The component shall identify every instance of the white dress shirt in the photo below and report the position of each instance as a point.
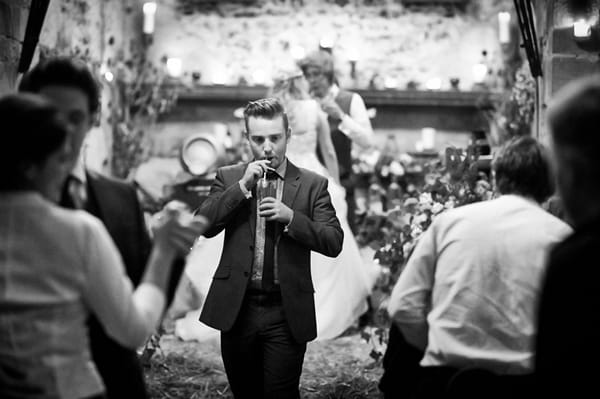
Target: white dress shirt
(469, 290)
(356, 125)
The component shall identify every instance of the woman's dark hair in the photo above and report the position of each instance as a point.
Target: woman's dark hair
(32, 130)
(63, 71)
(522, 167)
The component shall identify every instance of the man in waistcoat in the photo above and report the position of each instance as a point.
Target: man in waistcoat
(347, 115)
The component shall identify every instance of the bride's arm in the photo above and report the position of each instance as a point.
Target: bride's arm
(326, 145)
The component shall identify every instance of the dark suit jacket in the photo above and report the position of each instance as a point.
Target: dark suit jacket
(116, 204)
(567, 351)
(314, 227)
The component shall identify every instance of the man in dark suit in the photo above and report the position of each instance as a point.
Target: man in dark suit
(261, 298)
(73, 89)
(567, 352)
(347, 115)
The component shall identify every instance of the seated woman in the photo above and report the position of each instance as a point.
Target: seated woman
(57, 266)
(342, 284)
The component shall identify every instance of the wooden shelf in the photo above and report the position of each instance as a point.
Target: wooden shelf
(433, 98)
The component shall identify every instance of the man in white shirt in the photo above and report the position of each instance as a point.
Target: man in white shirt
(467, 295)
(347, 116)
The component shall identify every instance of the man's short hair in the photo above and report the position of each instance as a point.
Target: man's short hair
(33, 131)
(265, 108)
(63, 71)
(522, 167)
(319, 59)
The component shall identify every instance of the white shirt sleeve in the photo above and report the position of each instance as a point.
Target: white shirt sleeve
(410, 301)
(128, 317)
(357, 124)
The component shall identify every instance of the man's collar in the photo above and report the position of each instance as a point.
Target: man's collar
(282, 169)
(79, 170)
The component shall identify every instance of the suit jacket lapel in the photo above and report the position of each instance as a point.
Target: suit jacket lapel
(292, 183)
(100, 202)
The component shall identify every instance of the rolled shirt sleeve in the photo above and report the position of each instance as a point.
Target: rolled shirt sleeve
(410, 301)
(357, 125)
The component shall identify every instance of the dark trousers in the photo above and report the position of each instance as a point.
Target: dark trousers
(403, 377)
(348, 185)
(261, 358)
(401, 369)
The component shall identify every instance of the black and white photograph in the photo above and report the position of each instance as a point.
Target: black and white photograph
(285, 199)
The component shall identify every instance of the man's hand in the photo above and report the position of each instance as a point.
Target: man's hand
(274, 210)
(253, 173)
(331, 108)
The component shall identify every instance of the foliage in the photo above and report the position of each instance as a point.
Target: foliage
(514, 113)
(140, 93)
(395, 232)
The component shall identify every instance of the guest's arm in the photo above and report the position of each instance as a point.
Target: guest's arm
(410, 301)
(129, 316)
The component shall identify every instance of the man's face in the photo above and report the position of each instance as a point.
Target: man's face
(73, 105)
(317, 81)
(49, 176)
(268, 139)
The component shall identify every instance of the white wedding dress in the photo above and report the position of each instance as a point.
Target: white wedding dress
(342, 284)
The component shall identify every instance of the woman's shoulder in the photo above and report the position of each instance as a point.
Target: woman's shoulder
(76, 220)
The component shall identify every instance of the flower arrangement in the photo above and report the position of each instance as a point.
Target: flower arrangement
(395, 232)
(513, 114)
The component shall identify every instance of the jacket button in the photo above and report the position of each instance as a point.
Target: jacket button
(246, 274)
(251, 247)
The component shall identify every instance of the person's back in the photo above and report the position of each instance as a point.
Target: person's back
(490, 258)
(467, 296)
(47, 340)
(567, 353)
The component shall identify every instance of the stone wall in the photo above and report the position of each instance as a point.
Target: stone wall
(563, 60)
(396, 45)
(13, 20)
(99, 32)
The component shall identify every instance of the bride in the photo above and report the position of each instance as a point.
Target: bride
(342, 284)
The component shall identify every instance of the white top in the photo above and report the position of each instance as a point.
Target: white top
(356, 125)
(56, 265)
(468, 293)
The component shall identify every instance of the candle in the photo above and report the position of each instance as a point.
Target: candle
(149, 12)
(298, 52)
(504, 27)
(581, 28)
(434, 84)
(428, 138)
(479, 72)
(174, 67)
